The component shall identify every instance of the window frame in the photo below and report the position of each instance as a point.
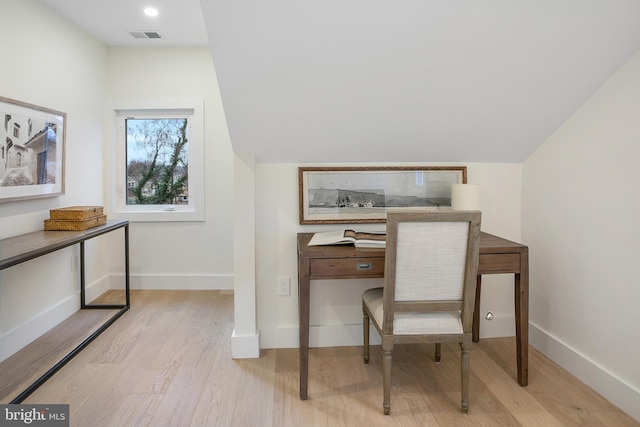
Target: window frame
(193, 110)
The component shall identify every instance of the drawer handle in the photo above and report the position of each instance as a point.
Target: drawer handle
(365, 266)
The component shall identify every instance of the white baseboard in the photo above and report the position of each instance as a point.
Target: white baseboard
(245, 346)
(19, 337)
(15, 340)
(614, 389)
(96, 289)
(161, 281)
(319, 336)
(179, 281)
(351, 335)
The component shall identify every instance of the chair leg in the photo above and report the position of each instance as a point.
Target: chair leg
(386, 380)
(365, 334)
(438, 352)
(464, 370)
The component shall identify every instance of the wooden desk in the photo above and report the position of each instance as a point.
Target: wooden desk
(497, 255)
(19, 249)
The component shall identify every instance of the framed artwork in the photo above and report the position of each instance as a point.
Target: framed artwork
(343, 195)
(31, 151)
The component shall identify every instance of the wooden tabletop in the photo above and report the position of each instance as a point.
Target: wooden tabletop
(18, 249)
(489, 243)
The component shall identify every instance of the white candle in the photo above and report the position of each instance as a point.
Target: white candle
(465, 197)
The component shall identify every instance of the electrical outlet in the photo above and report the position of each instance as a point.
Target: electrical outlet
(284, 286)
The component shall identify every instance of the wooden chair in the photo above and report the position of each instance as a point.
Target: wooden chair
(431, 263)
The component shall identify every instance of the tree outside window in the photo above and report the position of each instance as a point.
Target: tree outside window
(157, 161)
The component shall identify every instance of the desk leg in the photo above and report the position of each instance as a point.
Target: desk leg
(522, 319)
(475, 326)
(83, 295)
(127, 280)
(303, 313)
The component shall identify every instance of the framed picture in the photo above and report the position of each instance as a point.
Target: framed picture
(343, 195)
(31, 151)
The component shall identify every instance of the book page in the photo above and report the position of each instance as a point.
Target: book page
(371, 239)
(330, 238)
(369, 236)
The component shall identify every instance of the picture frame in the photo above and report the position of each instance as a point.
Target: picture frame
(32, 151)
(359, 195)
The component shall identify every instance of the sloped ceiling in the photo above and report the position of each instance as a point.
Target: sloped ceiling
(410, 80)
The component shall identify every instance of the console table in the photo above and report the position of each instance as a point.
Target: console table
(19, 249)
(497, 255)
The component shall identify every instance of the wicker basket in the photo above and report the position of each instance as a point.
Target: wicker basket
(73, 225)
(76, 213)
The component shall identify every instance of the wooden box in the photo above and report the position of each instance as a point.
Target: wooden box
(75, 218)
(76, 213)
(74, 225)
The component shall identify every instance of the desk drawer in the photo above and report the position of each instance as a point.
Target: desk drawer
(499, 263)
(346, 267)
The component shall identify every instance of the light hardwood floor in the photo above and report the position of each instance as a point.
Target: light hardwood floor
(167, 362)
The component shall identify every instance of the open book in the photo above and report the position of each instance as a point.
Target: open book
(359, 239)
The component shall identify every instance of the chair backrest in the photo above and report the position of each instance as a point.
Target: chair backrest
(431, 262)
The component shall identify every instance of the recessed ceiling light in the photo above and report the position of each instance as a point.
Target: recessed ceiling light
(151, 11)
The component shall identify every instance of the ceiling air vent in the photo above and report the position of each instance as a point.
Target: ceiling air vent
(145, 35)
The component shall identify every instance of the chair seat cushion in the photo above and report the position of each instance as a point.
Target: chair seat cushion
(444, 322)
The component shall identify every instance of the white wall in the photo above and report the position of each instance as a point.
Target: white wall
(581, 205)
(48, 62)
(336, 307)
(178, 255)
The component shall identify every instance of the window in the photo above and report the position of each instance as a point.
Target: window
(159, 163)
(157, 160)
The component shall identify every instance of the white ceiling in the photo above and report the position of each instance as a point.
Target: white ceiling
(393, 81)
(180, 22)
